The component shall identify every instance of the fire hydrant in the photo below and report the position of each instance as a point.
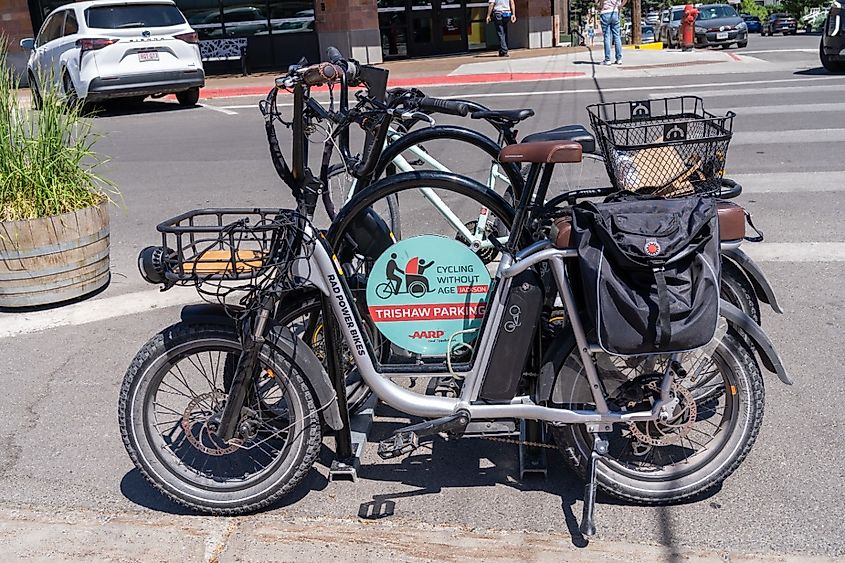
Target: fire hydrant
(688, 27)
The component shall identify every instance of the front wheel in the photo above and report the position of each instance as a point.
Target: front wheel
(742, 44)
(170, 403)
(714, 424)
(827, 63)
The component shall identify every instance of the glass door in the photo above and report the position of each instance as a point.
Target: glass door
(437, 27)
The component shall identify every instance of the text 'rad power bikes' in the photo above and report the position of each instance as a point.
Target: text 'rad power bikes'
(646, 379)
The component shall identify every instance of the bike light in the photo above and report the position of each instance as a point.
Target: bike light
(94, 43)
(151, 264)
(190, 37)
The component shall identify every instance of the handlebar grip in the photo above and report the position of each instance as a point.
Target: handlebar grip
(450, 107)
(333, 55)
(318, 74)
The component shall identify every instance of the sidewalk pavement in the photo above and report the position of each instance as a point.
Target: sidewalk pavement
(102, 536)
(524, 65)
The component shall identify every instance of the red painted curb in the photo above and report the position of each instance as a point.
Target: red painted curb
(209, 93)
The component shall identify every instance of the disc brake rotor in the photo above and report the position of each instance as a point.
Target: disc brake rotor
(197, 430)
(673, 430)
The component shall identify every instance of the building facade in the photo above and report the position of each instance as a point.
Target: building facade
(280, 32)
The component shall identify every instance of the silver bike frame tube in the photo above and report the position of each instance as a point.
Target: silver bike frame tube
(327, 274)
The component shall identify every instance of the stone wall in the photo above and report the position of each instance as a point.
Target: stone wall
(351, 26)
(15, 24)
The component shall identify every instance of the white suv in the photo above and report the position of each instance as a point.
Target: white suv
(117, 49)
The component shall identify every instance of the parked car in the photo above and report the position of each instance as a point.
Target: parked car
(752, 22)
(105, 49)
(832, 47)
(779, 23)
(670, 21)
(719, 24)
(646, 34)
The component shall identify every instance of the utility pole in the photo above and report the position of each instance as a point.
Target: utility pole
(636, 21)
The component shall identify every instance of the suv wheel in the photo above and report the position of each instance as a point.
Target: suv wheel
(188, 98)
(832, 66)
(70, 91)
(34, 92)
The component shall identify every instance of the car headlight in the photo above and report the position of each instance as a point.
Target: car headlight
(700, 29)
(741, 26)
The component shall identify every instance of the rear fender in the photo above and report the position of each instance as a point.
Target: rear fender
(283, 340)
(762, 287)
(768, 355)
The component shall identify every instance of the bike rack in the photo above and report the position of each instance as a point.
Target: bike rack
(360, 425)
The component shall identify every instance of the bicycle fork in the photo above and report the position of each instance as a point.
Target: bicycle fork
(253, 341)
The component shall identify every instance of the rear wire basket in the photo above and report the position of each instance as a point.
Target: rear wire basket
(670, 147)
(233, 256)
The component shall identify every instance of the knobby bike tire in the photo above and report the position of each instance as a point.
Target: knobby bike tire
(206, 494)
(576, 443)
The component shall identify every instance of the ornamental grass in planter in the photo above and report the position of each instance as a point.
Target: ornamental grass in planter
(54, 224)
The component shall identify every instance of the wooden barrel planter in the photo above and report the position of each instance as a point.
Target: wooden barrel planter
(54, 259)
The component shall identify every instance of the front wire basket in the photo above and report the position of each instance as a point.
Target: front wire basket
(670, 147)
(233, 256)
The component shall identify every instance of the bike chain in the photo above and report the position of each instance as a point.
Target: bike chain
(517, 442)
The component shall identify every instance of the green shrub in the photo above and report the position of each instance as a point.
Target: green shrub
(47, 162)
(751, 8)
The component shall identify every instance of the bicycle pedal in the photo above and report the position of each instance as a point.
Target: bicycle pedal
(399, 444)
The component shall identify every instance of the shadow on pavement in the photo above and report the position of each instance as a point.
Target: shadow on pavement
(138, 490)
(818, 71)
(118, 108)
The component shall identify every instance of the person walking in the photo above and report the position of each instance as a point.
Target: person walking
(502, 12)
(610, 27)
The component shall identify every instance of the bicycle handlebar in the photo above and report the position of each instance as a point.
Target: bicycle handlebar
(450, 107)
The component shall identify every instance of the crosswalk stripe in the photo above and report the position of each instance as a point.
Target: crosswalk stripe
(791, 136)
(779, 182)
(12, 324)
(796, 251)
(768, 110)
(733, 92)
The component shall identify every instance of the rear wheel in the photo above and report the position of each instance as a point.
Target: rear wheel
(737, 290)
(188, 98)
(170, 403)
(714, 424)
(71, 98)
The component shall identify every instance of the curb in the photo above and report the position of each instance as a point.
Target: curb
(446, 80)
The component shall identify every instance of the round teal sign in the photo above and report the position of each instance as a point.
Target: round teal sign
(424, 289)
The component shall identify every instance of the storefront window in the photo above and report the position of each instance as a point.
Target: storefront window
(242, 18)
(393, 25)
(288, 16)
(204, 16)
(477, 32)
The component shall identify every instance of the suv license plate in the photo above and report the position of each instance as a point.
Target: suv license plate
(148, 56)
(722, 35)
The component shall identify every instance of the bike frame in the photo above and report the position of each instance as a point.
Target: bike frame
(323, 272)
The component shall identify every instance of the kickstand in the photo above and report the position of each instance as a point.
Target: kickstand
(588, 525)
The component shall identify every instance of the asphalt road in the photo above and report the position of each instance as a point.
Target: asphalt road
(63, 466)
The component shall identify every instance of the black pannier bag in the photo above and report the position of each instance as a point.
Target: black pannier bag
(650, 271)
